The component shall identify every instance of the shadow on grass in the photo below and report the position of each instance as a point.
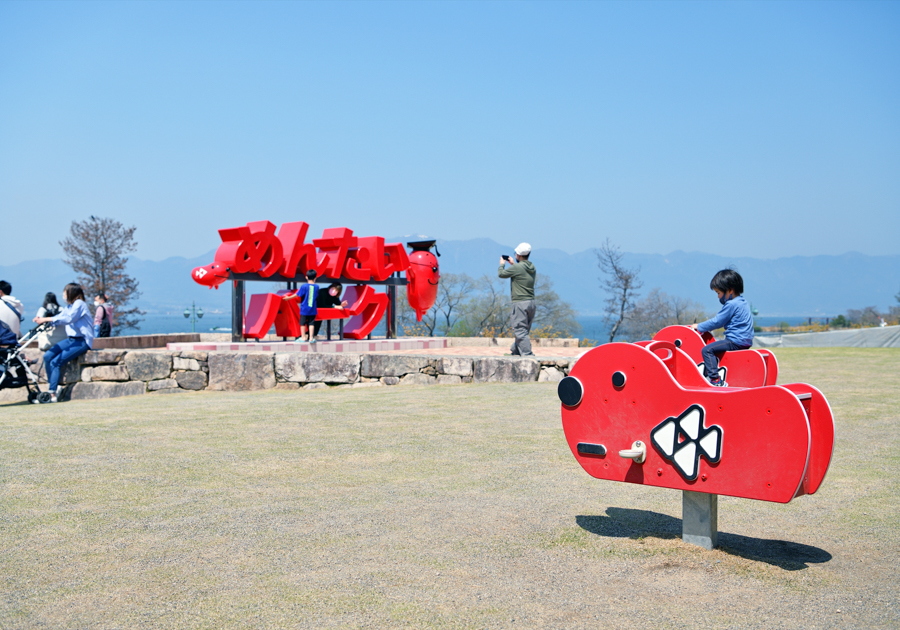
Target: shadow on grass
(629, 523)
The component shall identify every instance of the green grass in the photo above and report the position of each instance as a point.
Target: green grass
(454, 506)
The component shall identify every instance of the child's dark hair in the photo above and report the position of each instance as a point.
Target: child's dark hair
(727, 280)
(6, 287)
(311, 274)
(50, 298)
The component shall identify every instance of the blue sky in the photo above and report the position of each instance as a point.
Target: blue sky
(747, 129)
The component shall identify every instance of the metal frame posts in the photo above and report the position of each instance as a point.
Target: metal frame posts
(391, 323)
(238, 302)
(237, 310)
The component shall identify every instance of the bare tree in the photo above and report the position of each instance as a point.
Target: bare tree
(658, 310)
(480, 308)
(620, 282)
(487, 313)
(407, 322)
(866, 317)
(454, 290)
(95, 249)
(553, 316)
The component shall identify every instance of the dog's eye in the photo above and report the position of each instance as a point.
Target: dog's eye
(570, 391)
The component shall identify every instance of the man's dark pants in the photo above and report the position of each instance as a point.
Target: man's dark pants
(520, 321)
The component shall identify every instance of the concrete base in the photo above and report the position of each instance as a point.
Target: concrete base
(700, 518)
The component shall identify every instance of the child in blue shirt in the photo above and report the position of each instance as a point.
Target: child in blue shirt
(734, 316)
(308, 296)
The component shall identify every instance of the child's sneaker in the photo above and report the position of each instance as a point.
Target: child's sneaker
(719, 383)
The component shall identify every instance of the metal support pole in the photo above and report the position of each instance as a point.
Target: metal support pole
(237, 310)
(328, 328)
(392, 313)
(699, 518)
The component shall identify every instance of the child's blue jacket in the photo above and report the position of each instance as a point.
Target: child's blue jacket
(736, 318)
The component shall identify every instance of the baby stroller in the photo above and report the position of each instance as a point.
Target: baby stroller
(15, 369)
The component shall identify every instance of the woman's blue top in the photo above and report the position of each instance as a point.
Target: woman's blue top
(78, 320)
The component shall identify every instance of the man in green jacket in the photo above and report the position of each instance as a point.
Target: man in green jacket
(521, 287)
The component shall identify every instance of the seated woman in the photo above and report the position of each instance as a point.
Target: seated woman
(79, 323)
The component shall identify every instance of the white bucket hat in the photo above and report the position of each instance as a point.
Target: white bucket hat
(523, 249)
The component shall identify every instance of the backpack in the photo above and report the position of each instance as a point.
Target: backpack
(7, 336)
(105, 327)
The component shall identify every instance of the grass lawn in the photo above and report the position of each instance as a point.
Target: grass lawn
(451, 506)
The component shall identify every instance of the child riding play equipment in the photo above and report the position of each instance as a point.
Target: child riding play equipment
(644, 414)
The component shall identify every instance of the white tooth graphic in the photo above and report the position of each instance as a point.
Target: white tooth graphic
(691, 423)
(710, 443)
(686, 458)
(665, 436)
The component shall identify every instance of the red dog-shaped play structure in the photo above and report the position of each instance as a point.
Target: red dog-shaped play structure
(740, 368)
(644, 414)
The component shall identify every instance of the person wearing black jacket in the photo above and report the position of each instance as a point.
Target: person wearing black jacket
(329, 297)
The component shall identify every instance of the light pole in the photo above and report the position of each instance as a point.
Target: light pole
(194, 313)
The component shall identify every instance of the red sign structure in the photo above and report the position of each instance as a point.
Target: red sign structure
(644, 414)
(255, 252)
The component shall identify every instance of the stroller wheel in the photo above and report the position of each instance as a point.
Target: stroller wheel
(31, 396)
(45, 397)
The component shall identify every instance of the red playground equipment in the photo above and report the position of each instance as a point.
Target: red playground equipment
(742, 368)
(643, 413)
(256, 253)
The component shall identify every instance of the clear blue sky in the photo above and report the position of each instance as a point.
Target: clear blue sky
(762, 129)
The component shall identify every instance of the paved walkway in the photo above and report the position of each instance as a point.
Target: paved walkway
(493, 351)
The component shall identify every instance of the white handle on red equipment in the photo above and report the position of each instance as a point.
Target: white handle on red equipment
(637, 452)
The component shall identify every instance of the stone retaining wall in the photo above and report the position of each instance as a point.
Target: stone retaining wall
(113, 373)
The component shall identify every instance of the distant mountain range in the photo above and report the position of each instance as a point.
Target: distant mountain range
(808, 286)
